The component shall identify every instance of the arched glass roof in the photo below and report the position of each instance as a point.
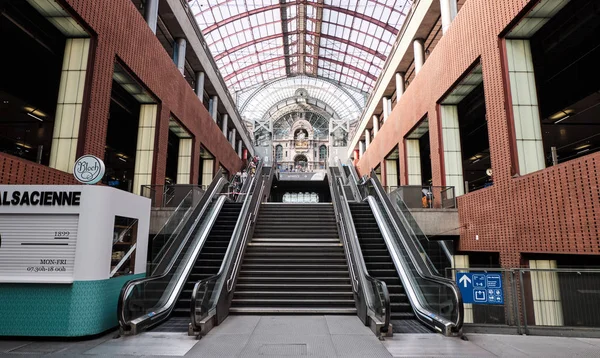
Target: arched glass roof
(257, 41)
(345, 103)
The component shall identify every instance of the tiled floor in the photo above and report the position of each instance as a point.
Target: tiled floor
(301, 336)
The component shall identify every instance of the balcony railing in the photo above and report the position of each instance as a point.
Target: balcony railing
(425, 197)
(540, 301)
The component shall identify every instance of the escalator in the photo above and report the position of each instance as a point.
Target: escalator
(391, 254)
(381, 266)
(193, 251)
(206, 265)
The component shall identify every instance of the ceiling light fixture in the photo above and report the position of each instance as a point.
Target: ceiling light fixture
(34, 116)
(583, 151)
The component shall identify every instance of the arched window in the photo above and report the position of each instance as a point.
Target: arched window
(323, 152)
(279, 153)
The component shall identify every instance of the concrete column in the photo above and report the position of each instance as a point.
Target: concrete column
(214, 107)
(462, 261)
(386, 108)
(419, 50)
(239, 148)
(361, 148)
(179, 54)
(151, 14)
(391, 173)
(69, 105)
(399, 86)
(144, 153)
(200, 86)
(413, 161)
(452, 150)
(224, 124)
(367, 138)
(375, 125)
(448, 9)
(184, 161)
(233, 135)
(545, 291)
(528, 132)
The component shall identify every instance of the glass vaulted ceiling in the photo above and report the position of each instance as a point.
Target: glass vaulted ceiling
(342, 41)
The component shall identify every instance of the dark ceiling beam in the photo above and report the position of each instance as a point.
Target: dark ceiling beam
(318, 26)
(285, 35)
(274, 59)
(318, 5)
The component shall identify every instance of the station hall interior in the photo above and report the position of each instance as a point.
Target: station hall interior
(300, 177)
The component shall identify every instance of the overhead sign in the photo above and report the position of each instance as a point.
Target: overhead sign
(481, 287)
(37, 247)
(89, 169)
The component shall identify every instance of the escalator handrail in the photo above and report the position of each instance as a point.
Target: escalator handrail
(348, 181)
(129, 286)
(203, 203)
(428, 276)
(354, 181)
(408, 218)
(352, 238)
(249, 216)
(179, 225)
(243, 223)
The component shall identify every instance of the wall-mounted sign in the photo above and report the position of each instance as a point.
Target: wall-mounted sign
(37, 247)
(481, 287)
(89, 169)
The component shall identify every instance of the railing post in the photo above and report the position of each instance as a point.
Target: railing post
(515, 301)
(522, 300)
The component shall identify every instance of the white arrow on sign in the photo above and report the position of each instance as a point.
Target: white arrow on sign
(464, 280)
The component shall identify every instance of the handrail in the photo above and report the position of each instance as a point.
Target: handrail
(165, 309)
(246, 228)
(408, 219)
(177, 228)
(423, 313)
(214, 187)
(239, 238)
(354, 253)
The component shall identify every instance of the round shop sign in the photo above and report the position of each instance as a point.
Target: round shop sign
(89, 169)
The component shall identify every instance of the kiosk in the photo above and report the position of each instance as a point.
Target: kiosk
(65, 253)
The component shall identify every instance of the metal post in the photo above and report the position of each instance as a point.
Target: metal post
(515, 303)
(151, 14)
(179, 54)
(466, 187)
(200, 86)
(523, 301)
(554, 156)
(39, 153)
(225, 124)
(419, 54)
(214, 109)
(399, 85)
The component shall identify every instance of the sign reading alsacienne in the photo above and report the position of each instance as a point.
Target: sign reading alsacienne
(40, 198)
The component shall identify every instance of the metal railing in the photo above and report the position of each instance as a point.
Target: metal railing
(425, 197)
(540, 301)
(163, 239)
(170, 196)
(211, 297)
(436, 301)
(371, 294)
(148, 301)
(439, 253)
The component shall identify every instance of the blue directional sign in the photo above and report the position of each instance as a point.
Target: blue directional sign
(481, 288)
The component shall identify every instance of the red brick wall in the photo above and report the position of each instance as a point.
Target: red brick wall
(552, 211)
(121, 32)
